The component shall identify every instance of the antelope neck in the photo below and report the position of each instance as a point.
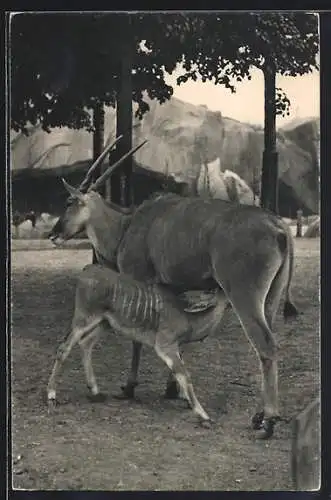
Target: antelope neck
(106, 232)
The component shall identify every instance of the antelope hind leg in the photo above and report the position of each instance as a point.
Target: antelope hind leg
(257, 278)
(269, 367)
(261, 337)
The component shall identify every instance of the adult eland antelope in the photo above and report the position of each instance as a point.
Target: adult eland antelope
(193, 243)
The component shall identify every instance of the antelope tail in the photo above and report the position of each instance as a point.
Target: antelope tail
(284, 241)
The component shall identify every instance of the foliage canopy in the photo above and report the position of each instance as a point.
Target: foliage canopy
(63, 64)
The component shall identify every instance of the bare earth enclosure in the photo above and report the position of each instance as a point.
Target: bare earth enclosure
(150, 443)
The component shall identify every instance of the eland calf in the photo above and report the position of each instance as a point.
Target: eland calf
(149, 314)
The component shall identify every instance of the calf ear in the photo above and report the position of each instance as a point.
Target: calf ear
(74, 192)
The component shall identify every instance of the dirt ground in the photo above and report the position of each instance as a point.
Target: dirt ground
(151, 443)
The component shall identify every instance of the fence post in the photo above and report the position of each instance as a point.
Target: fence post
(299, 224)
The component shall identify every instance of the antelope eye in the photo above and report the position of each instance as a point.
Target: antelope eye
(71, 201)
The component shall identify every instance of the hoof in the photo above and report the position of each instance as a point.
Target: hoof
(172, 391)
(257, 420)
(51, 405)
(97, 398)
(267, 428)
(205, 424)
(127, 392)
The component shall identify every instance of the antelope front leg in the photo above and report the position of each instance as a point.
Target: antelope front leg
(128, 389)
(172, 389)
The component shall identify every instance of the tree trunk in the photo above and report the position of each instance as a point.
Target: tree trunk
(299, 224)
(98, 142)
(269, 181)
(99, 131)
(306, 448)
(121, 181)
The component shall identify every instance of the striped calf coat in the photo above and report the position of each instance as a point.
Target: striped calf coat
(149, 314)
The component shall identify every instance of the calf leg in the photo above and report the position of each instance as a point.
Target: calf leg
(171, 356)
(87, 345)
(63, 352)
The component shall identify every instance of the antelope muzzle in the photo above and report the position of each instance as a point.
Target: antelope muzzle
(56, 232)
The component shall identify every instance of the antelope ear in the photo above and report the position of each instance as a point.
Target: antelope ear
(74, 192)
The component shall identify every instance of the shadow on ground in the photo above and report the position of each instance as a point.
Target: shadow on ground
(150, 444)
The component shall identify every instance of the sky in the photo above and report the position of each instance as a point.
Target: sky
(247, 104)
